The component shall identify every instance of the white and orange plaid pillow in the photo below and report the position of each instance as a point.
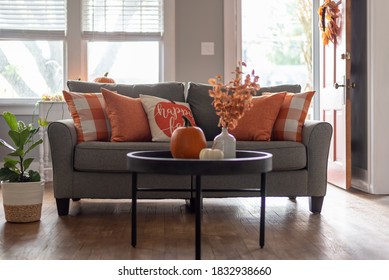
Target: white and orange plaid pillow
(291, 117)
(89, 116)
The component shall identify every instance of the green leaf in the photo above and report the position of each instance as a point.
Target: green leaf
(11, 120)
(5, 144)
(20, 138)
(8, 175)
(10, 163)
(17, 153)
(34, 176)
(42, 122)
(27, 162)
(15, 136)
(21, 125)
(24, 136)
(40, 141)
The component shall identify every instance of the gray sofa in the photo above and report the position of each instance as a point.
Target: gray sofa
(99, 169)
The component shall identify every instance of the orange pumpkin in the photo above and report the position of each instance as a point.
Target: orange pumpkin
(104, 79)
(187, 141)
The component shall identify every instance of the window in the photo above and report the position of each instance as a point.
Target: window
(128, 62)
(277, 41)
(41, 45)
(32, 34)
(124, 38)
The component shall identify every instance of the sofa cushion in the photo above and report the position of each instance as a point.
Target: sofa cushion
(257, 123)
(89, 116)
(127, 118)
(168, 90)
(165, 116)
(287, 155)
(111, 156)
(291, 118)
(280, 88)
(204, 113)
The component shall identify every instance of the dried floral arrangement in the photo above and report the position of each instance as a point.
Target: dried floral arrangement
(329, 11)
(231, 100)
(54, 98)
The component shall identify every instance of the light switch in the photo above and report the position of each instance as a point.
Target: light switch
(207, 48)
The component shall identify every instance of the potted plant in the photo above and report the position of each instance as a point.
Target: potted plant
(22, 188)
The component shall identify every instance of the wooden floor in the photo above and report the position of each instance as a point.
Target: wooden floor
(352, 225)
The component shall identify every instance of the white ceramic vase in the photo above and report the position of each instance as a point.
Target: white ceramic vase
(23, 201)
(225, 142)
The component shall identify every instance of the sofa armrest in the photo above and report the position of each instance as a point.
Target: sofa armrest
(63, 139)
(317, 137)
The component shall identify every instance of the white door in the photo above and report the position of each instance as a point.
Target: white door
(335, 90)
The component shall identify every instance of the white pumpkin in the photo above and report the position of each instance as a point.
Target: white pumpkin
(208, 153)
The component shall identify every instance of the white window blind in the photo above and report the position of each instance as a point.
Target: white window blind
(122, 17)
(18, 17)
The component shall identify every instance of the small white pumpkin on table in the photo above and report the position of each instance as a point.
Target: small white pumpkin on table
(211, 154)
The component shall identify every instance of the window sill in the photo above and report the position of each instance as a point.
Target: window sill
(19, 106)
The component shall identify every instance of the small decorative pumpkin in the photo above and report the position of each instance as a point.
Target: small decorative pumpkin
(211, 154)
(187, 141)
(104, 79)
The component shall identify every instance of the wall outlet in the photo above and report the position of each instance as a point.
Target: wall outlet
(207, 48)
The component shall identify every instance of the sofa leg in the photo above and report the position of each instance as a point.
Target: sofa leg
(315, 204)
(63, 206)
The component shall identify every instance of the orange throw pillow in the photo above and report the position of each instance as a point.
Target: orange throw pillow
(128, 119)
(257, 123)
(89, 116)
(291, 118)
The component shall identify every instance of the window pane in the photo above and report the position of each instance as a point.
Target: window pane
(29, 69)
(126, 62)
(33, 15)
(123, 16)
(277, 41)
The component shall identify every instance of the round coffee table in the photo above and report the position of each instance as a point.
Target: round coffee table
(162, 162)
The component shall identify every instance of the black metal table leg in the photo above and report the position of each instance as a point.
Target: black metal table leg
(133, 201)
(263, 207)
(190, 203)
(198, 217)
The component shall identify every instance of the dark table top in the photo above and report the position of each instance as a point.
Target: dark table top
(162, 162)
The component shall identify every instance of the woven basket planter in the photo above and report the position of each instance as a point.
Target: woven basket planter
(22, 201)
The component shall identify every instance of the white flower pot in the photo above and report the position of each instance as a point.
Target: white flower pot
(23, 201)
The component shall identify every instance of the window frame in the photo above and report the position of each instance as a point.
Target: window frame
(77, 60)
(23, 104)
(75, 51)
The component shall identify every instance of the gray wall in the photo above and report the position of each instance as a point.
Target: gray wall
(198, 21)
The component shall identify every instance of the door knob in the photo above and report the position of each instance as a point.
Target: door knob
(345, 56)
(352, 85)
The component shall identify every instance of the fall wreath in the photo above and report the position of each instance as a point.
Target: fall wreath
(329, 13)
